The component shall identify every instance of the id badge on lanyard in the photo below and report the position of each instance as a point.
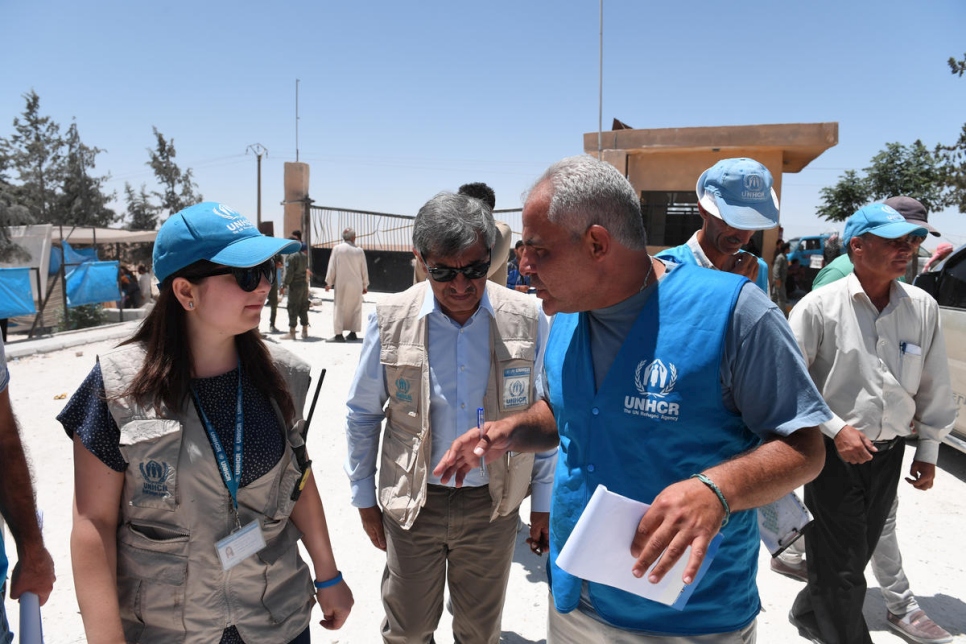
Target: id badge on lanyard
(244, 541)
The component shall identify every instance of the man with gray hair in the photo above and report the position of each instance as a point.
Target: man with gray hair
(349, 276)
(438, 359)
(667, 383)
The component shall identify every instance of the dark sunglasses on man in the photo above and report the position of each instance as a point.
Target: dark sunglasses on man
(471, 272)
(248, 278)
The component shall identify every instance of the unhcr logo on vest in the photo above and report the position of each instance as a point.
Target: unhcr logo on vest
(155, 477)
(516, 387)
(654, 381)
(402, 390)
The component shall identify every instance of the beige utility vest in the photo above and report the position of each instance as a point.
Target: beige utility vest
(175, 506)
(407, 443)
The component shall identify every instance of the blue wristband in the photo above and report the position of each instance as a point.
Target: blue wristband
(714, 488)
(319, 585)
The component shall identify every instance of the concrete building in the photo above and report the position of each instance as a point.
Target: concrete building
(664, 165)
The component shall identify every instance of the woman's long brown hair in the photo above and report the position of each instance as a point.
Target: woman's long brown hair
(164, 379)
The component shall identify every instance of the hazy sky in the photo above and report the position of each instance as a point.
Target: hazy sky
(399, 100)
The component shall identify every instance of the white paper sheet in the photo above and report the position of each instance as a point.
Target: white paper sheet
(599, 550)
(781, 523)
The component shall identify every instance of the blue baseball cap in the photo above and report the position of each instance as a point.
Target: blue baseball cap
(739, 192)
(882, 221)
(214, 232)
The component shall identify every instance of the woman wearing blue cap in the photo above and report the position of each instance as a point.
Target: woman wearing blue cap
(192, 486)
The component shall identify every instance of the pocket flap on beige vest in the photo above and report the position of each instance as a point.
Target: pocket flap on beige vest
(147, 429)
(402, 355)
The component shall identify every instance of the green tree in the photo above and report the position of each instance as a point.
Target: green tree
(957, 66)
(142, 214)
(911, 170)
(952, 158)
(35, 153)
(844, 198)
(953, 167)
(178, 188)
(82, 201)
(11, 214)
(906, 170)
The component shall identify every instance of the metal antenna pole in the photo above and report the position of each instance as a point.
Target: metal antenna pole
(297, 119)
(600, 86)
(258, 150)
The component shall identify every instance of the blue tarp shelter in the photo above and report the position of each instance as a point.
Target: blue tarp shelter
(92, 283)
(16, 297)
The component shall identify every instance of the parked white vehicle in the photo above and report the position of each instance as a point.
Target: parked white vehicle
(947, 283)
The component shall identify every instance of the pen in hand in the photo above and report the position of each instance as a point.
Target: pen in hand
(479, 423)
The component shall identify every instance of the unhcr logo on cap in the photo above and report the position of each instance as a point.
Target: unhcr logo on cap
(225, 212)
(754, 187)
(893, 214)
(237, 222)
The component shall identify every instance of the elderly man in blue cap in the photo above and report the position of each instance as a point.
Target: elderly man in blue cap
(875, 349)
(735, 199)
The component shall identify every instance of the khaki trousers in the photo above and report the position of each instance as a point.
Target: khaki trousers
(451, 541)
(577, 627)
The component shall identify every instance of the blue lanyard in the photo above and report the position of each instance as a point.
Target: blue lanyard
(231, 479)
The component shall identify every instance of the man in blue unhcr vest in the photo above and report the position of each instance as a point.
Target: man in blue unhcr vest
(727, 424)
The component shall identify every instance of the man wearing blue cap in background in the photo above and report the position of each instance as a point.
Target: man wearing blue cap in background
(903, 610)
(875, 350)
(735, 199)
(913, 211)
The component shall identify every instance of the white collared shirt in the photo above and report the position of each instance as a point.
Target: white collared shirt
(878, 372)
(459, 368)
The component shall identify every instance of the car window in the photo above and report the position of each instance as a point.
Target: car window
(952, 284)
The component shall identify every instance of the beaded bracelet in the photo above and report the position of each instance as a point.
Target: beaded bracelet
(319, 585)
(721, 497)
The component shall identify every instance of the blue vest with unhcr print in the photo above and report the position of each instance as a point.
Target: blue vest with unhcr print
(657, 419)
(684, 255)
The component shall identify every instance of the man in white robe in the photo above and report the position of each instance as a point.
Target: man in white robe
(349, 276)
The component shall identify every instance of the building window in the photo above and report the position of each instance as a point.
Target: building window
(670, 218)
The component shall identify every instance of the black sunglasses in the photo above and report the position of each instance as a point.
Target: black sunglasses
(248, 278)
(471, 272)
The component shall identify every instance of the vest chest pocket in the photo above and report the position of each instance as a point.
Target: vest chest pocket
(403, 383)
(151, 448)
(515, 387)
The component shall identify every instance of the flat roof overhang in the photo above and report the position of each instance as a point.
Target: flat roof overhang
(798, 143)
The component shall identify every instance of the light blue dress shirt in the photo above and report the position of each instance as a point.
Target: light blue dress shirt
(459, 369)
